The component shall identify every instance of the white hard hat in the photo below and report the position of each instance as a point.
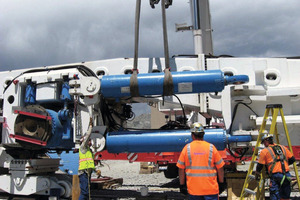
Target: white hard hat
(266, 137)
(197, 128)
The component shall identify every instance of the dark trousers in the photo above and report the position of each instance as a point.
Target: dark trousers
(204, 197)
(278, 191)
(84, 186)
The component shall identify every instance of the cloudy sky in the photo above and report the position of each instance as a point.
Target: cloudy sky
(37, 33)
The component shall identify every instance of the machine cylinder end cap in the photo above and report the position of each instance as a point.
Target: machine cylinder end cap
(64, 114)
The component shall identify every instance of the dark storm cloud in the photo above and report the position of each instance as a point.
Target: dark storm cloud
(256, 28)
(53, 32)
(38, 33)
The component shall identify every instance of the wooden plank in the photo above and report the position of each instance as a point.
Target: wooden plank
(75, 188)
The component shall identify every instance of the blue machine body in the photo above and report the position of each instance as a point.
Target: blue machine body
(165, 141)
(61, 133)
(30, 94)
(118, 86)
(65, 95)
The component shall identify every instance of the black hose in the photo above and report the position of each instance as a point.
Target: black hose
(81, 68)
(230, 128)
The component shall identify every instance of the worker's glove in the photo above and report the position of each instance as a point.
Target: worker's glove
(222, 187)
(98, 172)
(183, 189)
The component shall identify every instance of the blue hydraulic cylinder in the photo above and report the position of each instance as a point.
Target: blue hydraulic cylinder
(165, 141)
(118, 86)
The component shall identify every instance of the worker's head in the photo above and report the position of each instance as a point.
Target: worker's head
(197, 130)
(267, 139)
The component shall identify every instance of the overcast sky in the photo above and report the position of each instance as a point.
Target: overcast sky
(37, 33)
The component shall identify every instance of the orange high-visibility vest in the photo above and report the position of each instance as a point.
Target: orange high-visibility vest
(201, 160)
(268, 157)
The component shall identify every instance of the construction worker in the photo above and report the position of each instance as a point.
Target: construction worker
(277, 159)
(200, 164)
(86, 165)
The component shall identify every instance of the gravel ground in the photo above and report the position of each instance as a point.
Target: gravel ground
(130, 174)
(155, 182)
(157, 185)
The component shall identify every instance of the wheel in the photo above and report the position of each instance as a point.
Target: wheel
(172, 171)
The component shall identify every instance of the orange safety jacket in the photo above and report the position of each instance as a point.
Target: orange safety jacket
(268, 157)
(200, 160)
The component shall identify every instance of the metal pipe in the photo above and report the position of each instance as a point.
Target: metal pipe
(118, 86)
(165, 141)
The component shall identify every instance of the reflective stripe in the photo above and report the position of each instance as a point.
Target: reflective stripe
(219, 162)
(85, 159)
(181, 163)
(273, 158)
(210, 154)
(189, 153)
(199, 167)
(201, 175)
(281, 158)
(209, 158)
(284, 152)
(271, 152)
(208, 167)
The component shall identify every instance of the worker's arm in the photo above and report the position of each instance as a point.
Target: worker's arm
(289, 156)
(219, 164)
(183, 188)
(84, 144)
(259, 167)
(291, 160)
(181, 176)
(221, 174)
(181, 171)
(261, 163)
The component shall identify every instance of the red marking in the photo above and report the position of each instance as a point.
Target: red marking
(75, 76)
(32, 115)
(172, 157)
(29, 140)
(16, 82)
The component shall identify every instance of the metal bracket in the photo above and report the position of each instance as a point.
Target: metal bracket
(167, 3)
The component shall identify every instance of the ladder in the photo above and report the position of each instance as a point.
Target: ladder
(259, 193)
